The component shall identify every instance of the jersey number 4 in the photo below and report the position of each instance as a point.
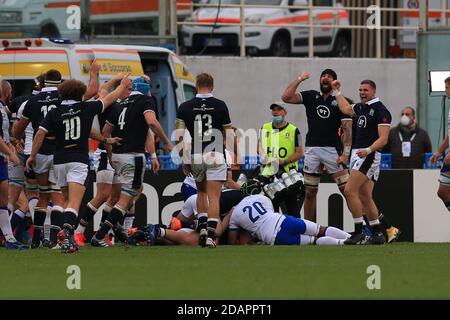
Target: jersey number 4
(73, 128)
(204, 120)
(260, 210)
(121, 120)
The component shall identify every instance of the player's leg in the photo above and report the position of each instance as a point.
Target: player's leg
(444, 187)
(311, 172)
(57, 210)
(355, 182)
(130, 167)
(104, 180)
(40, 211)
(371, 210)
(216, 175)
(71, 177)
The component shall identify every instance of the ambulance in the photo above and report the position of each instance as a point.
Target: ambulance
(67, 18)
(278, 39)
(408, 38)
(21, 60)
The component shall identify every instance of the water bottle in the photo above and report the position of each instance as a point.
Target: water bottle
(287, 180)
(242, 179)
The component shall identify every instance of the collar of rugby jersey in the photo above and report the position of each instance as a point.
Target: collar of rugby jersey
(135, 92)
(47, 89)
(374, 100)
(204, 95)
(69, 102)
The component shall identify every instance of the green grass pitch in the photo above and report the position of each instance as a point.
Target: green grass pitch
(408, 271)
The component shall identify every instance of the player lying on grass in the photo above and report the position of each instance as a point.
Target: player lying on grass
(256, 215)
(184, 228)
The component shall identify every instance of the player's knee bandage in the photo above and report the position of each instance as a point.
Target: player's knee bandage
(31, 187)
(342, 180)
(44, 189)
(312, 181)
(55, 188)
(17, 183)
(444, 179)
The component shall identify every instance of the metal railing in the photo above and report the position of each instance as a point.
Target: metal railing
(311, 25)
(170, 163)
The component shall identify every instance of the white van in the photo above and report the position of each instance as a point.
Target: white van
(277, 41)
(21, 60)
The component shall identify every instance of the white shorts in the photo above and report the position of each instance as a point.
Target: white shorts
(17, 174)
(129, 170)
(370, 165)
(70, 172)
(43, 163)
(210, 166)
(104, 170)
(315, 156)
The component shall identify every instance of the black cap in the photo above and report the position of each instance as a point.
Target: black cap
(277, 105)
(331, 72)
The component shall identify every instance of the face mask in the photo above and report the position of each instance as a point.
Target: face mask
(404, 120)
(277, 119)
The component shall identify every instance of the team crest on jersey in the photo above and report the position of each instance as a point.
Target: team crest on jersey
(362, 122)
(286, 135)
(323, 112)
(371, 112)
(334, 103)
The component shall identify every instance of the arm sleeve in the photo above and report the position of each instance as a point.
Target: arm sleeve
(226, 116)
(27, 110)
(148, 104)
(113, 115)
(383, 118)
(95, 107)
(306, 97)
(47, 122)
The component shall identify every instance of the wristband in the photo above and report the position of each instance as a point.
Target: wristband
(337, 93)
(154, 156)
(347, 150)
(368, 150)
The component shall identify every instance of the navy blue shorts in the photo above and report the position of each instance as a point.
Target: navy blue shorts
(187, 191)
(3, 169)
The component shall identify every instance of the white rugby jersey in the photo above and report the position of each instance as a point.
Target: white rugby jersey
(29, 132)
(257, 215)
(189, 208)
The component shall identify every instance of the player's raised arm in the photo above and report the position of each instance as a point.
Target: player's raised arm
(343, 103)
(290, 95)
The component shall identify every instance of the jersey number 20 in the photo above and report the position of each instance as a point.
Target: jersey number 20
(73, 128)
(260, 210)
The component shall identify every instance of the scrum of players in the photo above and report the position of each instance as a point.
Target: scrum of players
(44, 140)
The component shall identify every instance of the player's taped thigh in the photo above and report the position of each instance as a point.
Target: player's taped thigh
(44, 189)
(312, 180)
(341, 181)
(17, 182)
(444, 178)
(32, 187)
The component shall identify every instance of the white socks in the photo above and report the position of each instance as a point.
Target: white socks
(329, 241)
(5, 224)
(336, 233)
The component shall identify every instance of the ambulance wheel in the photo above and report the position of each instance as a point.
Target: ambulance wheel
(49, 31)
(281, 46)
